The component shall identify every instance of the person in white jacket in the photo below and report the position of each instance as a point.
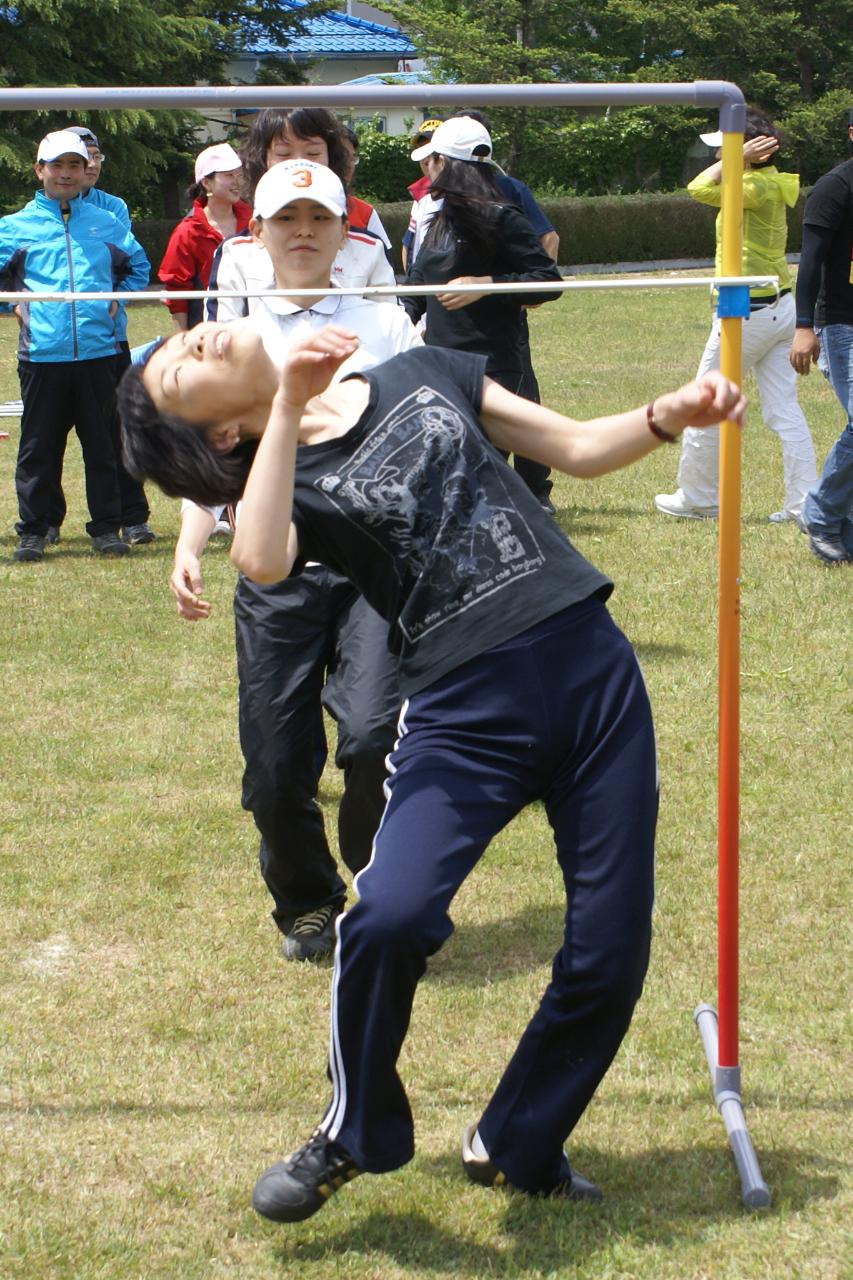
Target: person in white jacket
(243, 263)
(310, 642)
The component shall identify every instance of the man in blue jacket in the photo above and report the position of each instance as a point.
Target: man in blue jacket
(68, 353)
(134, 504)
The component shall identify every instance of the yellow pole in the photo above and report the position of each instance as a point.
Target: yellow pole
(731, 233)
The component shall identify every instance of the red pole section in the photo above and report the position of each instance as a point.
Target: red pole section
(728, 783)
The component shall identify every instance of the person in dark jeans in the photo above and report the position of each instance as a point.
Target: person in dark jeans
(824, 337)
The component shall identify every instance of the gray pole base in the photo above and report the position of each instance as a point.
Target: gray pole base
(726, 1081)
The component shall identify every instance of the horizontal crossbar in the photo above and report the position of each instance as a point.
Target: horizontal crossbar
(400, 290)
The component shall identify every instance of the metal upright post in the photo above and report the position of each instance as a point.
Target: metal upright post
(722, 1050)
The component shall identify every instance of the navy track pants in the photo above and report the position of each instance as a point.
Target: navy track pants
(559, 713)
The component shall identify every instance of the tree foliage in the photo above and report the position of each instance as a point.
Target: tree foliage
(795, 59)
(124, 42)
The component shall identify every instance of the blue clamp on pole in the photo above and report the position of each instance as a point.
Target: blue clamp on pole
(733, 300)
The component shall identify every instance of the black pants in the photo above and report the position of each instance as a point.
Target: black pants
(57, 396)
(524, 383)
(302, 643)
(134, 504)
(535, 475)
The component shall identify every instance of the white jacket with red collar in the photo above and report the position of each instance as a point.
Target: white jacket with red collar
(242, 263)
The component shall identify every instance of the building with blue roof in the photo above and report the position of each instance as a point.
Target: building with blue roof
(337, 47)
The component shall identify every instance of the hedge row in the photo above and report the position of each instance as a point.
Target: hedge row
(594, 229)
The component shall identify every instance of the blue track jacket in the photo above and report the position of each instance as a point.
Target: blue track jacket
(42, 252)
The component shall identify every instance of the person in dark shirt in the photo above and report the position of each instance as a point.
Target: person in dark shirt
(475, 237)
(517, 687)
(477, 232)
(536, 477)
(825, 337)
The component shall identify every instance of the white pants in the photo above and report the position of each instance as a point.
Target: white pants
(767, 337)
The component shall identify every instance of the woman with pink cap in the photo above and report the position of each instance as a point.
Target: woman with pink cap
(217, 213)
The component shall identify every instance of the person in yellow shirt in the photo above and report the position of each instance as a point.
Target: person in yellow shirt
(767, 332)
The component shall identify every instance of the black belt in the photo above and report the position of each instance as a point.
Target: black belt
(771, 302)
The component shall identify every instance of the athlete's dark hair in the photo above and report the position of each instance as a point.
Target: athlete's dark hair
(470, 192)
(174, 453)
(304, 122)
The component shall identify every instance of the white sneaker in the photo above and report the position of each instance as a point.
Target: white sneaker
(222, 529)
(782, 517)
(675, 504)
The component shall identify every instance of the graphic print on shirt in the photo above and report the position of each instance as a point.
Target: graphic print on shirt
(430, 491)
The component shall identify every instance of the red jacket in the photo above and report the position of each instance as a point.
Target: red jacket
(189, 255)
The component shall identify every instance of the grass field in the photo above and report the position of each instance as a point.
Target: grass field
(156, 1053)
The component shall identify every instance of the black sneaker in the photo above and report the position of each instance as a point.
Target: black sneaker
(138, 534)
(30, 547)
(480, 1169)
(109, 544)
(52, 535)
(296, 1188)
(312, 935)
(828, 549)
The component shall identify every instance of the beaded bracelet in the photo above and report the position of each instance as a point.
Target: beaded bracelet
(655, 429)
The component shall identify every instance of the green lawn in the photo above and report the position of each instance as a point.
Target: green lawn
(156, 1053)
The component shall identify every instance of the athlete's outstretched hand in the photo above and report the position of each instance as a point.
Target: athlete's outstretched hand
(185, 584)
(702, 403)
(312, 362)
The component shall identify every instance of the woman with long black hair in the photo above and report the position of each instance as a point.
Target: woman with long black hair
(475, 237)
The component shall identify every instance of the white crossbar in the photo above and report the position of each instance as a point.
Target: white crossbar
(401, 290)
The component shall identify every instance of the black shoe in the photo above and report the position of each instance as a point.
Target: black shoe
(109, 544)
(52, 535)
(480, 1169)
(296, 1188)
(312, 935)
(138, 534)
(30, 547)
(829, 550)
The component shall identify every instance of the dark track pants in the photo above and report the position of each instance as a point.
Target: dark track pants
(57, 396)
(560, 713)
(308, 642)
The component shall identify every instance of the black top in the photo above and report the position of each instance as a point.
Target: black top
(825, 277)
(492, 326)
(420, 512)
